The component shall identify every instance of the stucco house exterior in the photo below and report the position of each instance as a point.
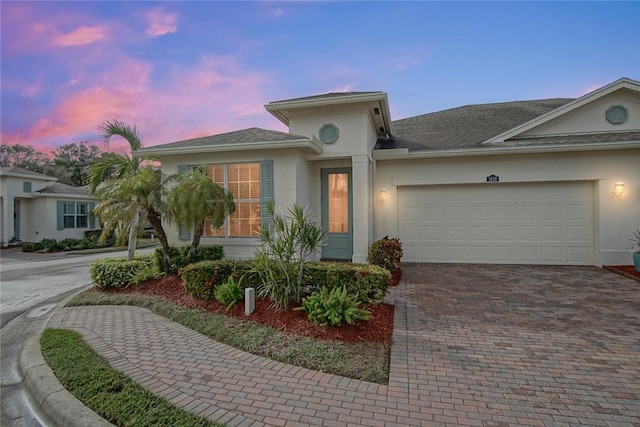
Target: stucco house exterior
(35, 206)
(551, 181)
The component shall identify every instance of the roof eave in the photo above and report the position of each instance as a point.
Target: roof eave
(276, 108)
(246, 146)
(63, 195)
(622, 83)
(24, 175)
(403, 154)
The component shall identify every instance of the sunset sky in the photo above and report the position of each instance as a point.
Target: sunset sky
(179, 70)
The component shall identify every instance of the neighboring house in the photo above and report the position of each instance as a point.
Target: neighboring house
(529, 182)
(34, 207)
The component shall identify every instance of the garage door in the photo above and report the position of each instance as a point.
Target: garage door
(532, 223)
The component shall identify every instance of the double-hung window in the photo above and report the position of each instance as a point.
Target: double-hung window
(75, 215)
(243, 181)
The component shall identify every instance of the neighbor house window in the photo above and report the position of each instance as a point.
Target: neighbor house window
(26, 187)
(75, 215)
(243, 181)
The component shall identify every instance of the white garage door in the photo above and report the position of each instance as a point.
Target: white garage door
(532, 223)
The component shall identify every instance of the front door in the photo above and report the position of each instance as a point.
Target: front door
(337, 218)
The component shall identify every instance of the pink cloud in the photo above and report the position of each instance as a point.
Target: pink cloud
(161, 22)
(215, 95)
(81, 36)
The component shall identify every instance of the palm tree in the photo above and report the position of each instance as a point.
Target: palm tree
(118, 170)
(130, 198)
(192, 199)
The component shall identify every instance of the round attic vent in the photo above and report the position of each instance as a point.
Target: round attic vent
(329, 133)
(617, 114)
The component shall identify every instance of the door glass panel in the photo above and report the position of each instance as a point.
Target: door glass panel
(338, 195)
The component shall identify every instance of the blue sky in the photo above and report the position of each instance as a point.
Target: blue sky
(183, 69)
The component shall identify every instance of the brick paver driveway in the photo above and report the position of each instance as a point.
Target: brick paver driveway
(524, 345)
(472, 345)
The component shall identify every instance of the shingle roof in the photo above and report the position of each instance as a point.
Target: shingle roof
(465, 127)
(326, 96)
(244, 136)
(60, 188)
(11, 170)
(575, 139)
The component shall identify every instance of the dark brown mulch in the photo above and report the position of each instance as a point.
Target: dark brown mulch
(378, 328)
(626, 270)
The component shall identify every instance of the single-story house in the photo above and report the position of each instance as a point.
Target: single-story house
(550, 181)
(35, 206)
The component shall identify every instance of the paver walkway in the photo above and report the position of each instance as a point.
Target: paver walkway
(472, 345)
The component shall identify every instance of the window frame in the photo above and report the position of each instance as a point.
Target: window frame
(226, 227)
(76, 215)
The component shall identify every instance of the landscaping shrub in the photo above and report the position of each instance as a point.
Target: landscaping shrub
(179, 256)
(93, 235)
(67, 244)
(286, 244)
(202, 278)
(333, 307)
(386, 253)
(47, 245)
(229, 293)
(117, 272)
(368, 282)
(29, 247)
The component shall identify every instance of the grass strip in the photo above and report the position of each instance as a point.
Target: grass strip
(109, 393)
(363, 361)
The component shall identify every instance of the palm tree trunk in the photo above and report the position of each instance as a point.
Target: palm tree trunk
(198, 231)
(156, 222)
(133, 235)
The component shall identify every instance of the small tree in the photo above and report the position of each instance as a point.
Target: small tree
(192, 198)
(286, 245)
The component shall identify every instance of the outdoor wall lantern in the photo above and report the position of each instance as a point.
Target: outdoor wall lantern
(382, 196)
(618, 189)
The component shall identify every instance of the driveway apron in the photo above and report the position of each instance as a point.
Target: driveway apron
(472, 345)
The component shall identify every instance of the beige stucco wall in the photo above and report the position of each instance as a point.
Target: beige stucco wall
(290, 175)
(591, 117)
(615, 217)
(40, 220)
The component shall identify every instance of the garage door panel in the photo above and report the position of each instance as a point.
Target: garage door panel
(547, 223)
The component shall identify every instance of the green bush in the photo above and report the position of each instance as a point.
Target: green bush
(179, 256)
(117, 272)
(93, 234)
(29, 247)
(386, 253)
(47, 245)
(369, 282)
(202, 278)
(229, 293)
(333, 307)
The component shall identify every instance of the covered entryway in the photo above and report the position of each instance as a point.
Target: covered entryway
(519, 223)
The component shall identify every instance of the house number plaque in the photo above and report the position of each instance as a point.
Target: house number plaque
(493, 178)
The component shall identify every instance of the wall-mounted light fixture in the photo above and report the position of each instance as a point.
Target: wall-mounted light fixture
(382, 196)
(618, 189)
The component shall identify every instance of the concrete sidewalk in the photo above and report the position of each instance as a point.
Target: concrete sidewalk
(472, 345)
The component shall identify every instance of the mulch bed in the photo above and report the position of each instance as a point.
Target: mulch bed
(626, 270)
(378, 328)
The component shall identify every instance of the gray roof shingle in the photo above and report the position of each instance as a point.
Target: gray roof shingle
(59, 188)
(465, 127)
(244, 136)
(326, 96)
(9, 170)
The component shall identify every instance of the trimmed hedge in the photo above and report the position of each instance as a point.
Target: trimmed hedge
(368, 282)
(201, 279)
(178, 256)
(117, 272)
(68, 244)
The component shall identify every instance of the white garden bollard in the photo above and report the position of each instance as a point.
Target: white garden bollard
(249, 301)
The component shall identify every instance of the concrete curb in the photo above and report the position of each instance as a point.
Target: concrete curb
(46, 392)
(49, 395)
